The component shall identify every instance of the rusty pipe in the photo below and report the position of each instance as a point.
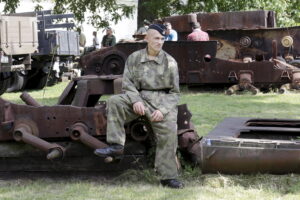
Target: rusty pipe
(29, 100)
(79, 131)
(23, 132)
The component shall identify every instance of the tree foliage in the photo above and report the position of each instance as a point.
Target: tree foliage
(287, 11)
(102, 12)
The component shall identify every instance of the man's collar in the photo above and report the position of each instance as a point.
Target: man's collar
(158, 59)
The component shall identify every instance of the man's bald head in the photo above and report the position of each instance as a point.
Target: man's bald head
(155, 41)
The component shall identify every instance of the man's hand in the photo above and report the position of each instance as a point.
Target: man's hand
(157, 116)
(139, 108)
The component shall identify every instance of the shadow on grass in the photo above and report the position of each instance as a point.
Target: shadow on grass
(130, 176)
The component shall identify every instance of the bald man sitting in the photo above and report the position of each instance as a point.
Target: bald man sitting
(151, 86)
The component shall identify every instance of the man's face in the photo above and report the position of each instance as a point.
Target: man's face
(108, 31)
(155, 40)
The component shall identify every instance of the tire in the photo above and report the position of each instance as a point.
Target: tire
(17, 82)
(38, 81)
(41, 81)
(4, 81)
(52, 79)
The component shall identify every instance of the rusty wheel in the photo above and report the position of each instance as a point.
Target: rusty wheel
(114, 65)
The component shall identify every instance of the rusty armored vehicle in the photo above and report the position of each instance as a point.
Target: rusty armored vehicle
(62, 137)
(246, 52)
(34, 50)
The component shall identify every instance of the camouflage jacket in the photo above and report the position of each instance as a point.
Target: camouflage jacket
(154, 81)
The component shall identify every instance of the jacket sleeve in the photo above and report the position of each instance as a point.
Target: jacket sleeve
(128, 85)
(171, 99)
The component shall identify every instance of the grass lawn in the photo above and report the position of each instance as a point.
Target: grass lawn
(208, 110)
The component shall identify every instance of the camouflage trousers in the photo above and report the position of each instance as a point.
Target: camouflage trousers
(120, 112)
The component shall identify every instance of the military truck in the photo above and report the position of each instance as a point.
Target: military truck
(18, 41)
(54, 51)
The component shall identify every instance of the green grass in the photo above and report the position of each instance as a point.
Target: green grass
(47, 96)
(208, 110)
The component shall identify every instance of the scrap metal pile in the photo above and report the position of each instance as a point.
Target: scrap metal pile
(63, 137)
(246, 52)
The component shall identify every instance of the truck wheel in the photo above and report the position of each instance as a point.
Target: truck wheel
(37, 81)
(4, 81)
(114, 65)
(17, 82)
(41, 81)
(52, 79)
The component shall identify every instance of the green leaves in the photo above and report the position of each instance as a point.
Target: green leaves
(287, 11)
(10, 5)
(103, 12)
(106, 12)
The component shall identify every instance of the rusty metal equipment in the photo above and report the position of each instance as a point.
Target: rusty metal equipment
(198, 65)
(237, 20)
(244, 34)
(248, 145)
(62, 137)
(69, 132)
(241, 41)
(245, 78)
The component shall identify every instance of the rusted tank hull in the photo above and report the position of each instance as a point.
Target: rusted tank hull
(244, 160)
(241, 41)
(242, 34)
(197, 63)
(245, 145)
(258, 19)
